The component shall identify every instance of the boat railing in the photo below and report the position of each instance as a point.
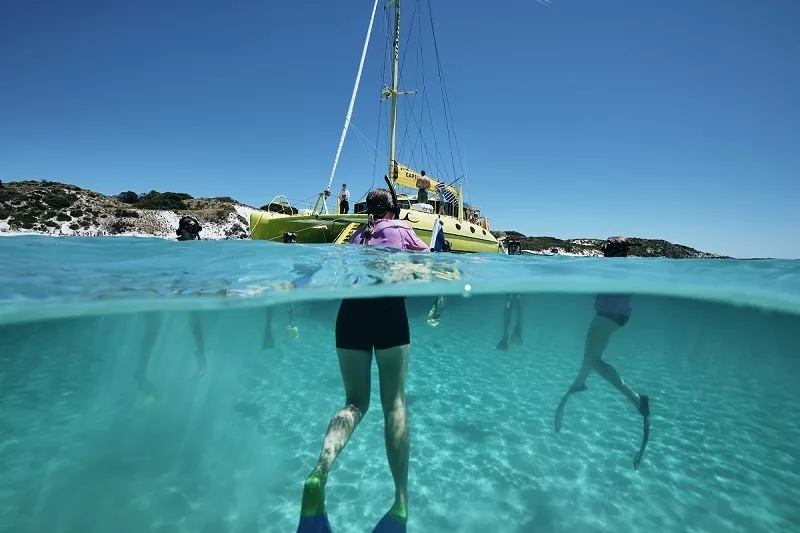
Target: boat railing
(282, 203)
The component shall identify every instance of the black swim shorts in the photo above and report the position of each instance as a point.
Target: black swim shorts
(617, 318)
(378, 323)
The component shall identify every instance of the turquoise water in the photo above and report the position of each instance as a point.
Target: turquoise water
(714, 344)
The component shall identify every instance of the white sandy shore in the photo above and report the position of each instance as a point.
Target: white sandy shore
(160, 224)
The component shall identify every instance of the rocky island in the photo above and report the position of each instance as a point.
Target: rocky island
(52, 208)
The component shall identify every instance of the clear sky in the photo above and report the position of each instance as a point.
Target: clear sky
(585, 118)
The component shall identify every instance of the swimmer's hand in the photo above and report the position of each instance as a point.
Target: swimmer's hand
(292, 331)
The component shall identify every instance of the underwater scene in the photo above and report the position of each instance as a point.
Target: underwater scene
(149, 386)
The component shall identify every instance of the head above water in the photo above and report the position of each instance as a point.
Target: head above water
(379, 203)
(514, 247)
(188, 229)
(615, 247)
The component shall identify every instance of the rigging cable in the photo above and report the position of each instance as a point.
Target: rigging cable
(353, 96)
(445, 98)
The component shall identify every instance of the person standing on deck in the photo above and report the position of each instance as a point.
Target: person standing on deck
(344, 200)
(612, 312)
(422, 188)
(364, 325)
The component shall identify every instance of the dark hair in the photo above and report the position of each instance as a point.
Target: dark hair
(379, 202)
(615, 247)
(190, 225)
(422, 173)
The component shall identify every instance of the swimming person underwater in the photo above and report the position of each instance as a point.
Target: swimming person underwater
(188, 230)
(613, 312)
(513, 304)
(364, 325)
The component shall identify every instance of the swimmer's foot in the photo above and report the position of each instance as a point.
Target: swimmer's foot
(516, 338)
(313, 495)
(503, 344)
(292, 331)
(644, 410)
(433, 316)
(563, 403)
(394, 521)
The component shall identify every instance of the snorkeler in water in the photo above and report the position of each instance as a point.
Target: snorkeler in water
(513, 304)
(613, 312)
(188, 229)
(364, 326)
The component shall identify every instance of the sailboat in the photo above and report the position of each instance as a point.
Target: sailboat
(463, 225)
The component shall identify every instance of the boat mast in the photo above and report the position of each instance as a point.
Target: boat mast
(395, 75)
(352, 97)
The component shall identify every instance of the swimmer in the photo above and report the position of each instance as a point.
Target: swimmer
(435, 312)
(613, 312)
(364, 325)
(513, 304)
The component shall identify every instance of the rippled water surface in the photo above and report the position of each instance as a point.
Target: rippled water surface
(713, 343)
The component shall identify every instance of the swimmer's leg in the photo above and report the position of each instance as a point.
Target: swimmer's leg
(434, 315)
(597, 337)
(640, 402)
(503, 344)
(516, 336)
(200, 347)
(610, 374)
(269, 341)
(152, 323)
(392, 368)
(355, 368)
(292, 331)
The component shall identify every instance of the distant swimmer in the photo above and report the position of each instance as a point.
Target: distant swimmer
(613, 312)
(188, 229)
(513, 305)
(364, 325)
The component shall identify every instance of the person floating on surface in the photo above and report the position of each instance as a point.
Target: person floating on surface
(513, 304)
(613, 312)
(364, 325)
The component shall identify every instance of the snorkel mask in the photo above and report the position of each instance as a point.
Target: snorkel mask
(190, 225)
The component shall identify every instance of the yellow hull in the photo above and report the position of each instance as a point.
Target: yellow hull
(463, 236)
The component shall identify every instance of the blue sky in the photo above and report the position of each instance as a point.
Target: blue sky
(677, 120)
